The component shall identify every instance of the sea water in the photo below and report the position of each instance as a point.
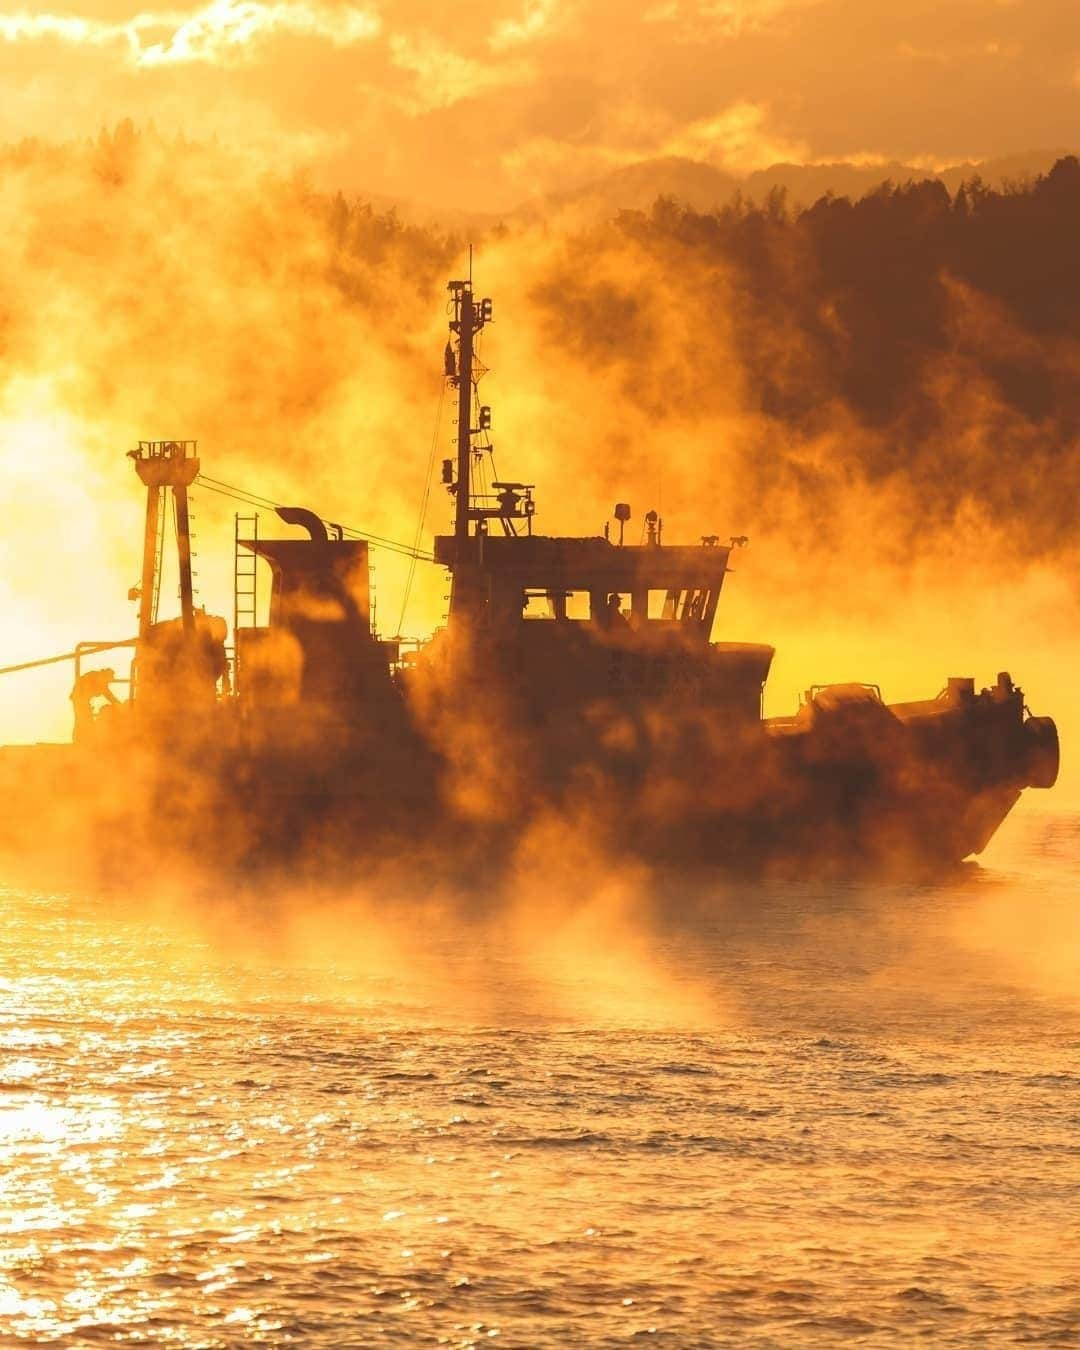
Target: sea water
(751, 1115)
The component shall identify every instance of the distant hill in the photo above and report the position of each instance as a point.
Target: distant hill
(1004, 169)
(806, 183)
(635, 187)
(704, 188)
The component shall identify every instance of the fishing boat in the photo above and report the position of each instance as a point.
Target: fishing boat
(577, 684)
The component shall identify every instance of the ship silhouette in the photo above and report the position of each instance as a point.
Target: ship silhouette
(575, 680)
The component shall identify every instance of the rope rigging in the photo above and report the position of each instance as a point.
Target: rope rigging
(422, 513)
(267, 504)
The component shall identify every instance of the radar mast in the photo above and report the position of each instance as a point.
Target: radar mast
(477, 501)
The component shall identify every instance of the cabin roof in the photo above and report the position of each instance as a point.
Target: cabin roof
(591, 563)
(307, 554)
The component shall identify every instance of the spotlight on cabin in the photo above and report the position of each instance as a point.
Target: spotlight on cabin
(622, 515)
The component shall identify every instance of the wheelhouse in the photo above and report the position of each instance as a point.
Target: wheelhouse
(535, 579)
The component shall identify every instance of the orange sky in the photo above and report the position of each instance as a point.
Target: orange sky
(281, 380)
(526, 96)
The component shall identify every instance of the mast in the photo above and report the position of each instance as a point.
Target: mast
(148, 585)
(466, 328)
(183, 549)
(469, 317)
(161, 466)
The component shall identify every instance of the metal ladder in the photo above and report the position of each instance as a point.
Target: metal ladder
(245, 584)
(159, 554)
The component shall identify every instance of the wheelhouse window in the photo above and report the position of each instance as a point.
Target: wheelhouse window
(690, 606)
(685, 604)
(556, 606)
(662, 604)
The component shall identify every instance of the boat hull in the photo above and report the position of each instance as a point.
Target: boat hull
(849, 785)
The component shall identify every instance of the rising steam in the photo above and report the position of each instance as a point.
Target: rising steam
(901, 451)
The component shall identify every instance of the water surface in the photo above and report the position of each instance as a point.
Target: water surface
(774, 1114)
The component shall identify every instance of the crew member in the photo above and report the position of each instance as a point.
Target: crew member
(90, 685)
(615, 616)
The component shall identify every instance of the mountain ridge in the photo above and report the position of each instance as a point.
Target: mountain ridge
(705, 187)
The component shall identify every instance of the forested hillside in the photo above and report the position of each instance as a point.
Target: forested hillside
(912, 352)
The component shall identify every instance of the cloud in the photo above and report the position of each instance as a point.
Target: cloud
(738, 138)
(701, 19)
(222, 31)
(228, 27)
(445, 77)
(538, 19)
(481, 107)
(66, 28)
